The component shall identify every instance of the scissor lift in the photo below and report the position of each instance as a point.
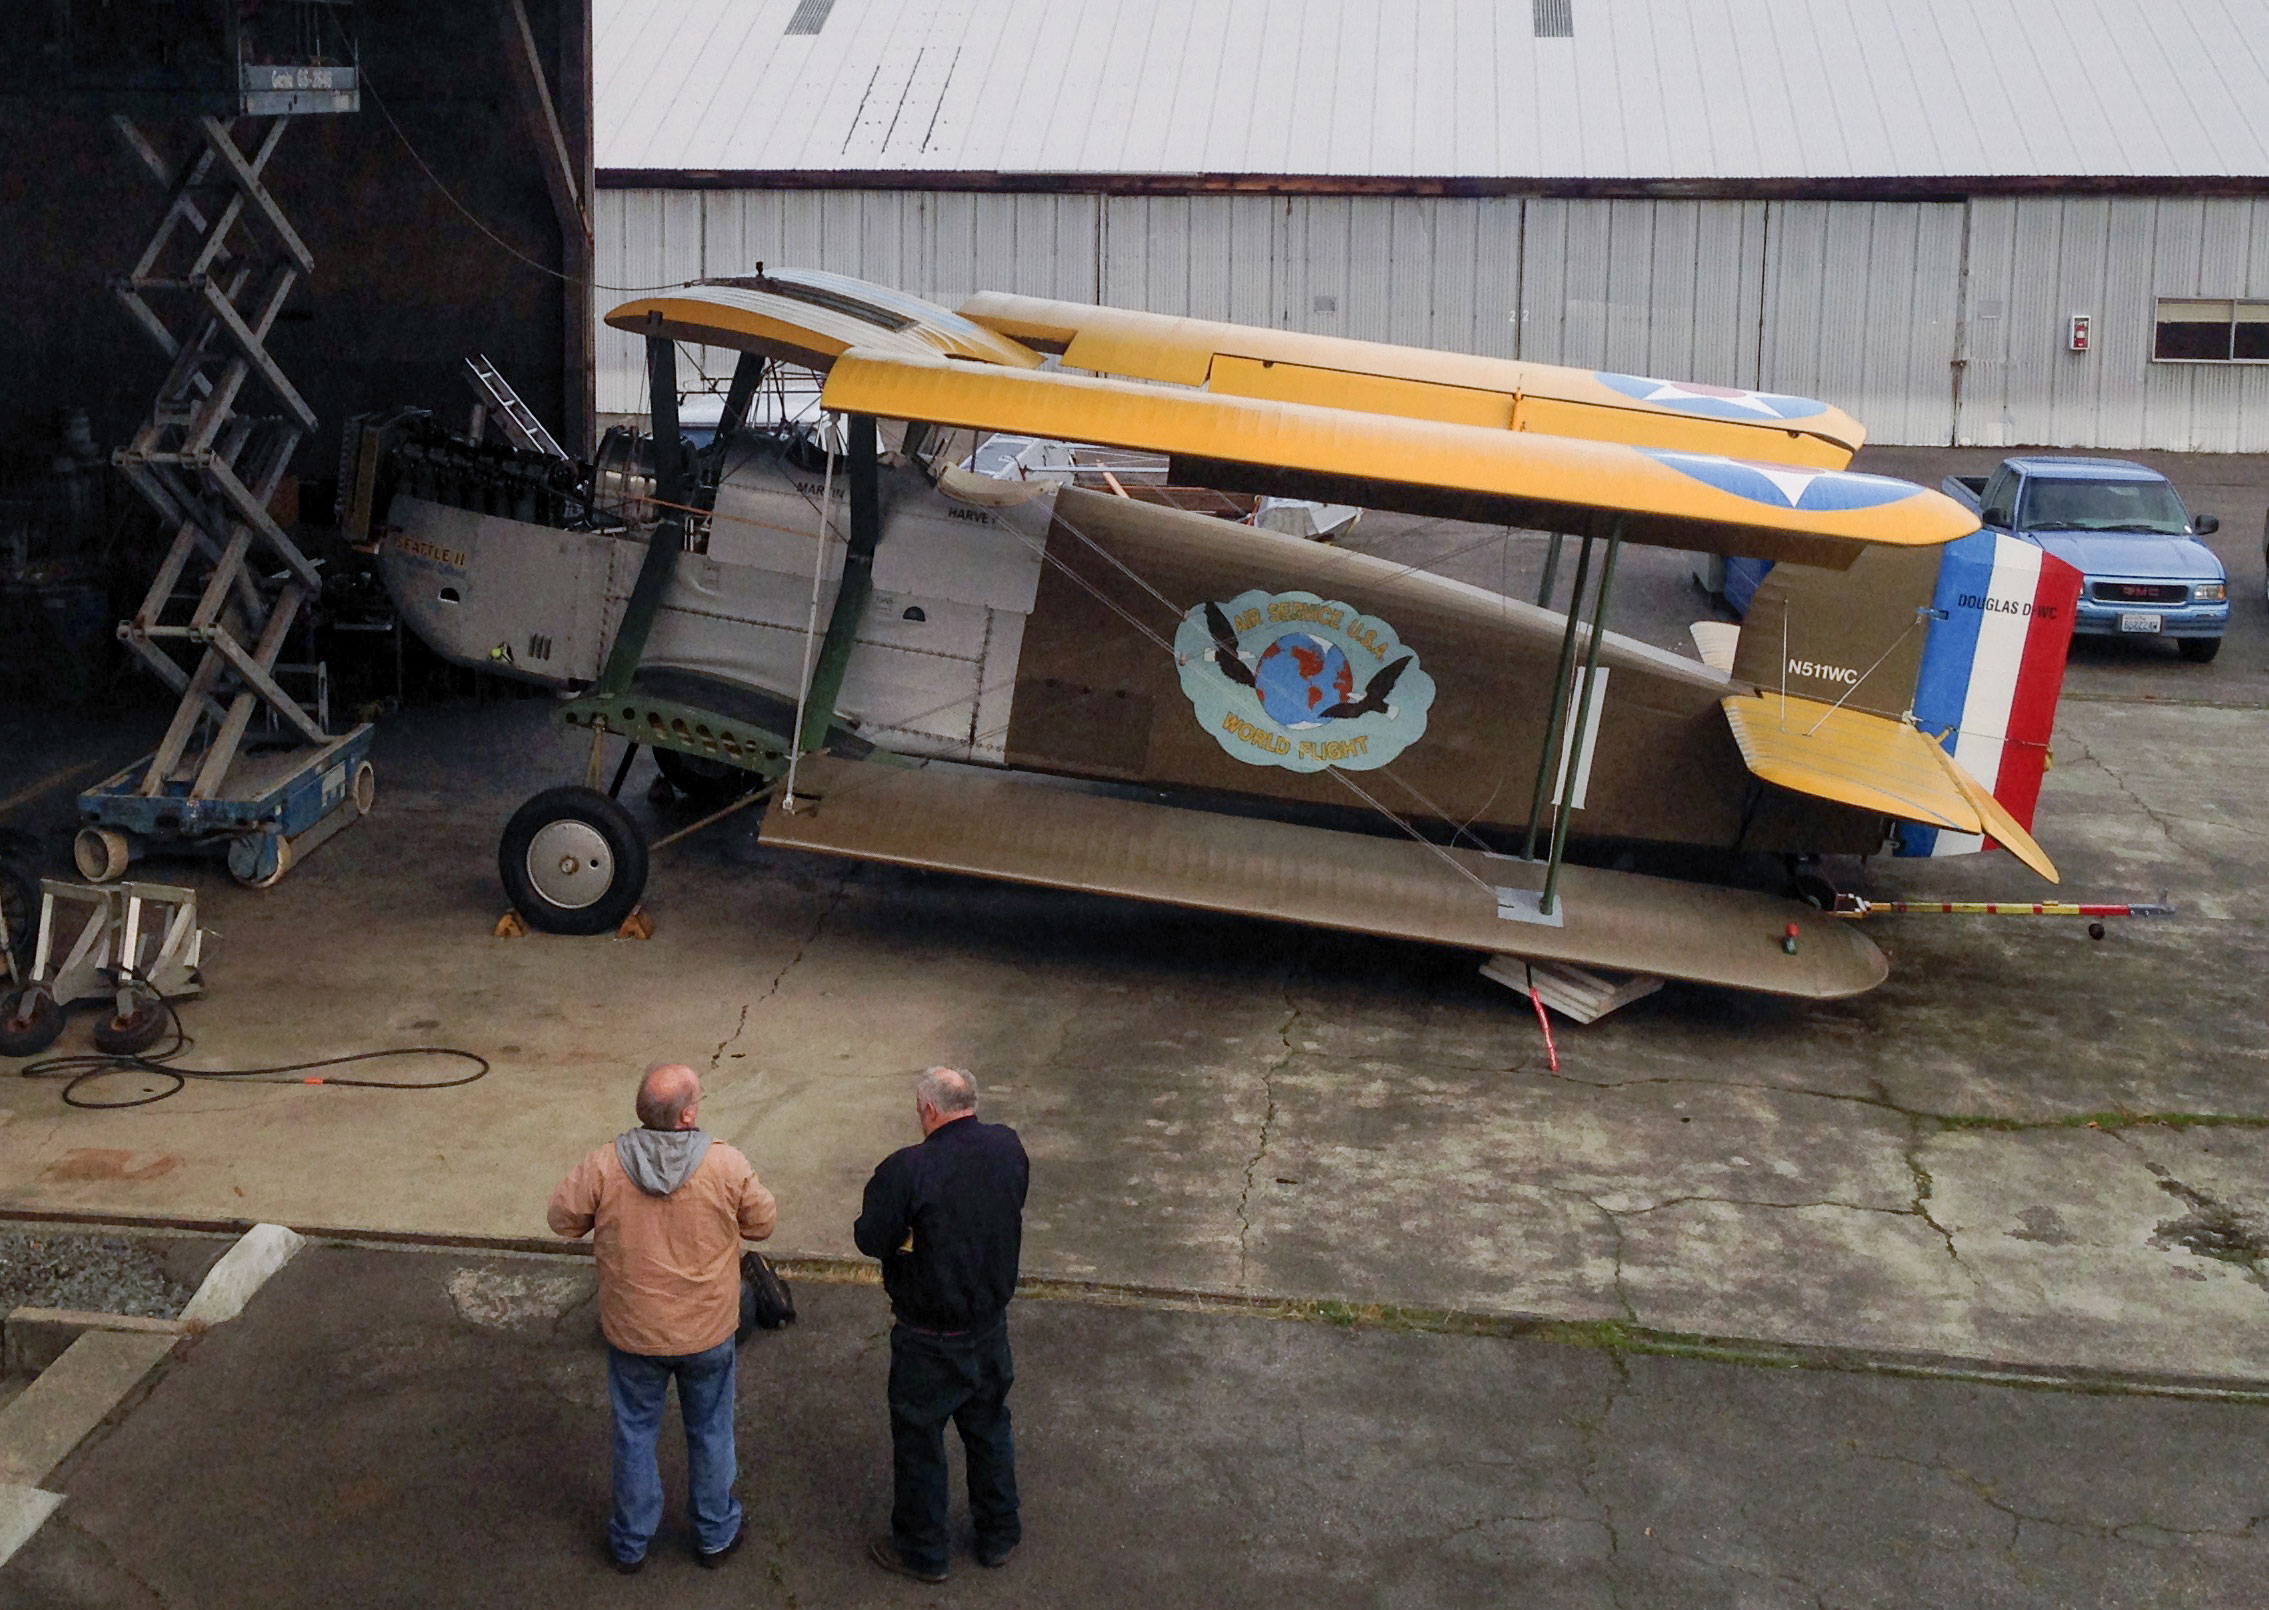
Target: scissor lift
(207, 290)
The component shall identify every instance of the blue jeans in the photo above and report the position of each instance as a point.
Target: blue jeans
(639, 1386)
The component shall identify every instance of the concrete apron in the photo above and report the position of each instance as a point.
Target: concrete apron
(1237, 1107)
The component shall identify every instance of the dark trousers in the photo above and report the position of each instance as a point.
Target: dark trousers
(964, 1379)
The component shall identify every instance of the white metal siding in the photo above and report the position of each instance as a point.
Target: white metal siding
(1861, 306)
(1668, 288)
(2036, 261)
(1864, 304)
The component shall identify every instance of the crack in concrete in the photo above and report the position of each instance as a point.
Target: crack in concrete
(2109, 1121)
(717, 1056)
(1819, 1594)
(1594, 1435)
(2103, 1531)
(803, 948)
(1269, 1071)
(2159, 820)
(1615, 1228)
(65, 1520)
(1924, 1185)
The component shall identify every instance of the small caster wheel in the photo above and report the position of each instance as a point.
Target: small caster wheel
(259, 860)
(2095, 930)
(142, 1026)
(572, 862)
(30, 1020)
(660, 794)
(102, 854)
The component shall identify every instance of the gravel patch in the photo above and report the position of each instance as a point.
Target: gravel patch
(97, 1274)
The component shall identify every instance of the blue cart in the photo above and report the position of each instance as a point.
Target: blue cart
(271, 809)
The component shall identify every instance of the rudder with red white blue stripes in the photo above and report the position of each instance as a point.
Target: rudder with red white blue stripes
(1991, 673)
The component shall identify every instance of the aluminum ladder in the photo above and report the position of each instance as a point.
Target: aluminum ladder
(515, 418)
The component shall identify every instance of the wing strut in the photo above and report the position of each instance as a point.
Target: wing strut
(1562, 758)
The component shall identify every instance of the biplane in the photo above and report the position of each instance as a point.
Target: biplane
(1030, 679)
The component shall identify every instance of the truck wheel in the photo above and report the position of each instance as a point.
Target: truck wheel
(700, 779)
(30, 1019)
(572, 862)
(2199, 650)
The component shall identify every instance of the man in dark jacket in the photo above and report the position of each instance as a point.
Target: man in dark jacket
(946, 1218)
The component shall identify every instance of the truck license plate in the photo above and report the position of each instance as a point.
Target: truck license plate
(2135, 621)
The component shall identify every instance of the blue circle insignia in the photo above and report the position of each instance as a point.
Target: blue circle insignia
(1711, 402)
(1302, 682)
(1787, 486)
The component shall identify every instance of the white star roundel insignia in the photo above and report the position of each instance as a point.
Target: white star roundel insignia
(1711, 402)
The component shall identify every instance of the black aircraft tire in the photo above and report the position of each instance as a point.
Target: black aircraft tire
(2198, 650)
(572, 862)
(134, 1033)
(700, 779)
(30, 1021)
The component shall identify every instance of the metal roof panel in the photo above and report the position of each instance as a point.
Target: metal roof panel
(1646, 89)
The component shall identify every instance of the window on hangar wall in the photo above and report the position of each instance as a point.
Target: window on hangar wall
(2196, 330)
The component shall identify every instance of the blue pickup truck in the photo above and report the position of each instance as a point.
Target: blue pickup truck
(2123, 528)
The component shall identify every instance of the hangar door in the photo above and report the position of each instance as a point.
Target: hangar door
(1863, 307)
(1856, 302)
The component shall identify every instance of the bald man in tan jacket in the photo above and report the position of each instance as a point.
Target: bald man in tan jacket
(667, 1207)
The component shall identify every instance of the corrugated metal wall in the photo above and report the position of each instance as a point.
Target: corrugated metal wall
(1868, 305)
(2034, 262)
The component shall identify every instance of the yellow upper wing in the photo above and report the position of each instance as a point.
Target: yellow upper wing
(805, 317)
(1420, 383)
(1671, 499)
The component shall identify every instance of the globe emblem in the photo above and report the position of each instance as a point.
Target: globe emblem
(1299, 677)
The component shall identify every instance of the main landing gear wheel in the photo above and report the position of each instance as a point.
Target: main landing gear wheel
(30, 1019)
(573, 862)
(700, 779)
(134, 1033)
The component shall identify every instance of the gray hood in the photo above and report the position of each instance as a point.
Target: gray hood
(658, 1161)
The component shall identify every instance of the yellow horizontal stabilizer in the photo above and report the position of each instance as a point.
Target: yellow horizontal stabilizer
(1670, 499)
(811, 319)
(1869, 761)
(2000, 826)
(1421, 383)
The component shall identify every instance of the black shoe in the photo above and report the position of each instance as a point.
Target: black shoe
(713, 1558)
(994, 1559)
(885, 1554)
(627, 1567)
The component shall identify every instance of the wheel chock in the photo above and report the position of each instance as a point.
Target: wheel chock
(512, 926)
(636, 926)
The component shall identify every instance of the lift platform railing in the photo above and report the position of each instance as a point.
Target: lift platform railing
(207, 289)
